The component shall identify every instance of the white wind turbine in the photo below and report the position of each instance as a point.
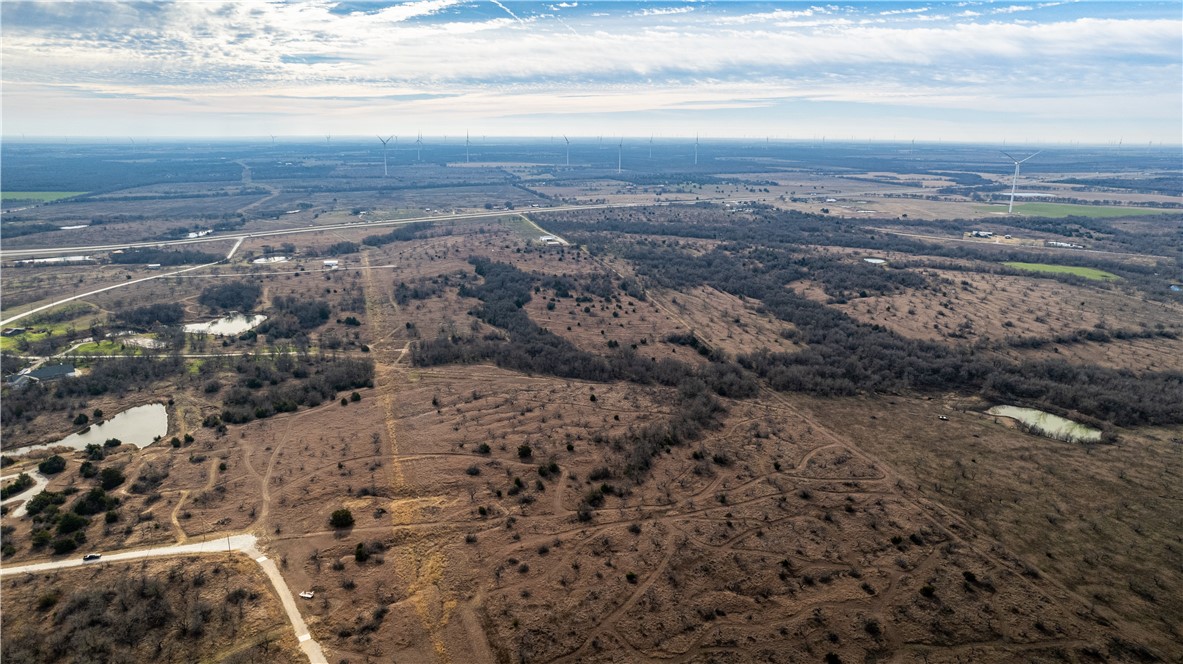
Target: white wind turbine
(466, 146)
(385, 171)
(619, 154)
(568, 149)
(1015, 182)
(696, 149)
(419, 147)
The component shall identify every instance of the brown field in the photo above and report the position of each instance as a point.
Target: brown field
(798, 528)
(1093, 519)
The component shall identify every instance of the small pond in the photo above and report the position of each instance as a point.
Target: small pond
(1051, 426)
(137, 426)
(228, 325)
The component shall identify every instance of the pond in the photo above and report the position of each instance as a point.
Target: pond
(137, 426)
(1051, 426)
(228, 325)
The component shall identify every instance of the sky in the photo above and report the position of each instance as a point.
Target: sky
(991, 71)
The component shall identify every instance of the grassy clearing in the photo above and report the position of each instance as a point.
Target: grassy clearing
(42, 196)
(1061, 210)
(1086, 272)
(106, 347)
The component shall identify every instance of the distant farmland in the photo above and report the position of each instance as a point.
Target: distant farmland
(1060, 210)
(40, 196)
(1086, 272)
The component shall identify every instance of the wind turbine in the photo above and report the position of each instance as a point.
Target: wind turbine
(651, 146)
(272, 139)
(568, 149)
(1015, 182)
(419, 147)
(619, 154)
(386, 140)
(466, 147)
(696, 149)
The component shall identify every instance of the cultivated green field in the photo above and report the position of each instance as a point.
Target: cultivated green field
(42, 196)
(1086, 272)
(1060, 210)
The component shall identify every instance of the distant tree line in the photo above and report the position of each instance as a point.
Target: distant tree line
(163, 257)
(169, 313)
(399, 234)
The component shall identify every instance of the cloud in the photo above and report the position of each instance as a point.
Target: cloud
(424, 56)
(665, 11)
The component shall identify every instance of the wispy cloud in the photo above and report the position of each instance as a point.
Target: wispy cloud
(361, 60)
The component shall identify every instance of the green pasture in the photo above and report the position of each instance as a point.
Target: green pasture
(1086, 272)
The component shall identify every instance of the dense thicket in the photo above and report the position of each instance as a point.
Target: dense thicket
(400, 234)
(114, 375)
(268, 385)
(294, 316)
(164, 257)
(152, 314)
(231, 296)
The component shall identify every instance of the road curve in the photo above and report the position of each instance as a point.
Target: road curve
(39, 483)
(242, 543)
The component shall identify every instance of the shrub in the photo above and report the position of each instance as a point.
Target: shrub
(525, 451)
(109, 478)
(81, 419)
(70, 522)
(341, 518)
(52, 466)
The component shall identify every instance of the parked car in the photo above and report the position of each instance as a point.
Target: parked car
(307, 594)
(92, 556)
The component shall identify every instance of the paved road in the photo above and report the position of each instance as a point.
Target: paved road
(39, 483)
(243, 543)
